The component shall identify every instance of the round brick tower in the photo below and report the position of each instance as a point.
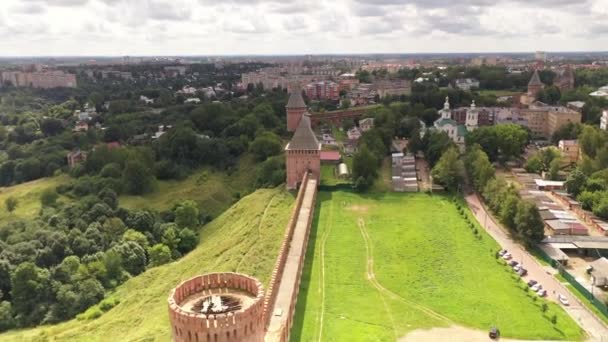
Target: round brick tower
(217, 307)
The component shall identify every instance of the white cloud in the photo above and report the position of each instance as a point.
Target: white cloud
(171, 27)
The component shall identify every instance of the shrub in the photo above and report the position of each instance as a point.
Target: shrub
(108, 303)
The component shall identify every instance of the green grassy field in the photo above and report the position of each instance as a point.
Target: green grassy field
(28, 197)
(379, 266)
(213, 191)
(242, 239)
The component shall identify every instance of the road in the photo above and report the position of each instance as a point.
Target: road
(595, 328)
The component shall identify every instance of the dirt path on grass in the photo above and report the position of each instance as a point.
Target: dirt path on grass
(371, 276)
(454, 333)
(322, 277)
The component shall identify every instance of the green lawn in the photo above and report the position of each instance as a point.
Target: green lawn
(242, 239)
(427, 270)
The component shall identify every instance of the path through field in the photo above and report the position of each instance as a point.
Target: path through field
(381, 266)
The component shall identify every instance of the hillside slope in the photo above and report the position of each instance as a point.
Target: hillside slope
(245, 239)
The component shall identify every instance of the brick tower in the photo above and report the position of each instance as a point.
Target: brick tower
(303, 153)
(296, 107)
(217, 307)
(535, 85)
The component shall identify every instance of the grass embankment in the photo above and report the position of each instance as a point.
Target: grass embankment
(427, 270)
(242, 239)
(213, 191)
(28, 197)
(498, 93)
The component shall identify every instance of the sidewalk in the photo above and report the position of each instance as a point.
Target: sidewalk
(595, 328)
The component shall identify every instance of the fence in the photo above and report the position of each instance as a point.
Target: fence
(588, 295)
(570, 278)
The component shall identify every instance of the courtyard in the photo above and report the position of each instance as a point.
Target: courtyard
(379, 266)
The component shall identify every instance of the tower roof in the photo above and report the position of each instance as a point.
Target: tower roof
(535, 80)
(296, 100)
(304, 138)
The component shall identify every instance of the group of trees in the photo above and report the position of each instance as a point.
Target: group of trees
(71, 255)
(500, 142)
(588, 183)
(545, 160)
(521, 217)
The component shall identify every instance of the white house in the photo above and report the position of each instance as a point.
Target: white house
(604, 120)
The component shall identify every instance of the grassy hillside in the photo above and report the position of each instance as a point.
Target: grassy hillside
(243, 239)
(28, 195)
(213, 191)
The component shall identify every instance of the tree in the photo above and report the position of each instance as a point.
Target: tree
(7, 320)
(137, 177)
(11, 204)
(590, 140)
(133, 257)
(159, 255)
(601, 207)
(30, 293)
(188, 240)
(187, 215)
(528, 223)
(48, 198)
(449, 170)
(479, 167)
(171, 238)
(575, 183)
(51, 127)
(135, 236)
(265, 145)
(365, 165)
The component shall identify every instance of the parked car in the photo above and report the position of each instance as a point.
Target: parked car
(506, 256)
(562, 299)
(542, 293)
(522, 272)
(513, 263)
(517, 267)
(532, 282)
(537, 287)
(494, 333)
(502, 252)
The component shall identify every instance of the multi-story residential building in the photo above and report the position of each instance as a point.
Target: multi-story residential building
(392, 88)
(42, 79)
(324, 90)
(544, 121)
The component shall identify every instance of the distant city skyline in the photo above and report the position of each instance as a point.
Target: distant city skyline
(290, 27)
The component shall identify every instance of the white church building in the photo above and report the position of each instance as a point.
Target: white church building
(455, 131)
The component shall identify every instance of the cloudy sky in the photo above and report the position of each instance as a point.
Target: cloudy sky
(210, 27)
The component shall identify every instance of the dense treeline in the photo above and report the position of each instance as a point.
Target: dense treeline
(588, 183)
(521, 217)
(59, 264)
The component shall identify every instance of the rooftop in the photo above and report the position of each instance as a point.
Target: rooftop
(296, 100)
(304, 138)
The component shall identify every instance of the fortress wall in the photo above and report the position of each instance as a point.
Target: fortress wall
(281, 302)
(277, 272)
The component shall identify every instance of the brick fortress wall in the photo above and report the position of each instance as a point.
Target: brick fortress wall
(244, 325)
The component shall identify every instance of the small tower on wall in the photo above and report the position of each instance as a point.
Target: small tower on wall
(472, 120)
(535, 85)
(296, 107)
(302, 153)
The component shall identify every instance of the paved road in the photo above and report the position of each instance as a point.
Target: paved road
(595, 328)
